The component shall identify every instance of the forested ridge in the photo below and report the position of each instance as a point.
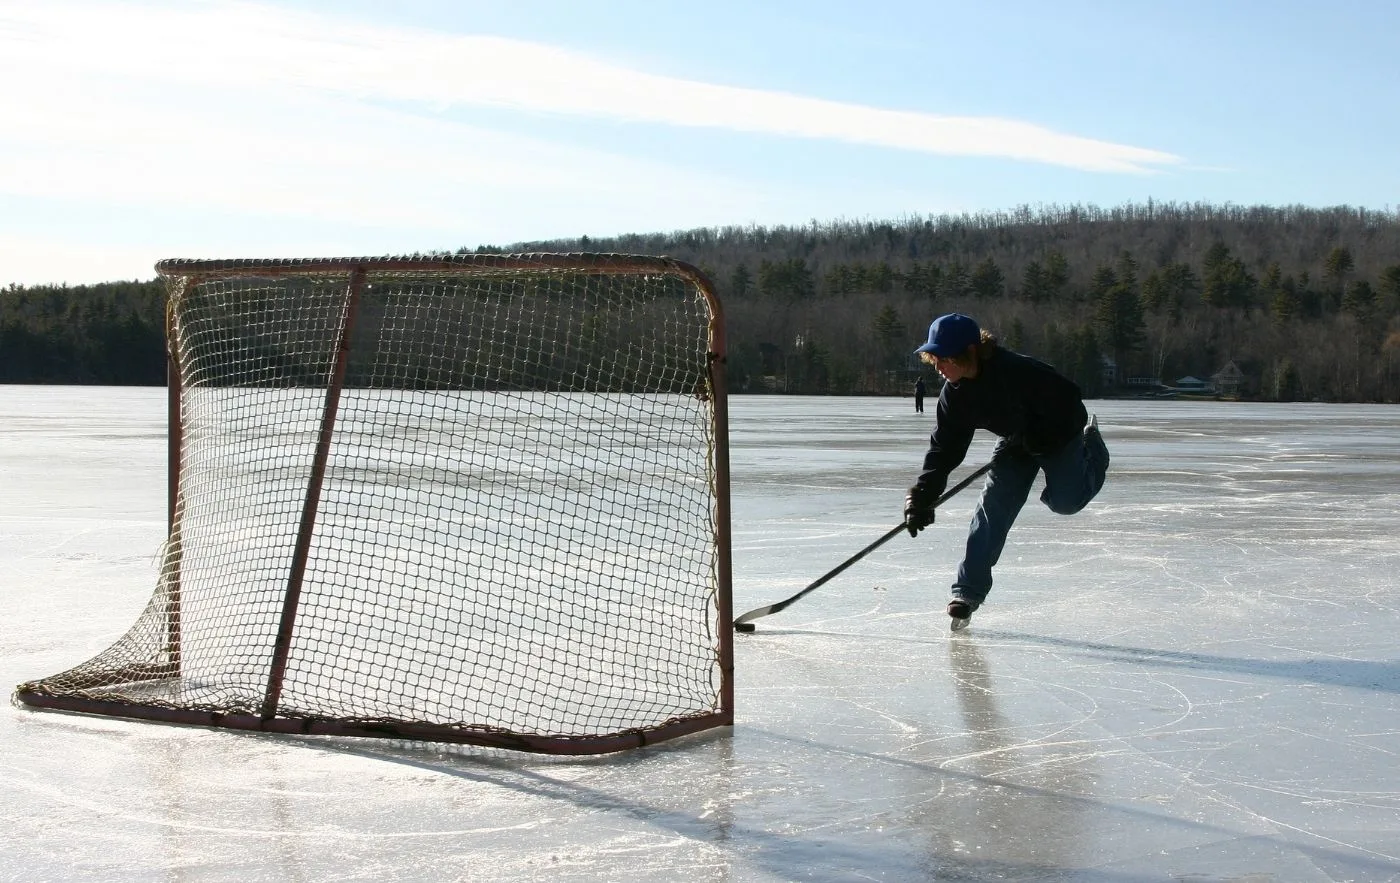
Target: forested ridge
(1304, 302)
(112, 333)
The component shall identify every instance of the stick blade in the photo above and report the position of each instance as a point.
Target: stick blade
(755, 613)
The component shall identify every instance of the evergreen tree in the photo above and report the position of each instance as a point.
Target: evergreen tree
(880, 278)
(1118, 315)
(1154, 292)
(1016, 335)
(808, 369)
(1309, 301)
(955, 284)
(839, 280)
(1339, 265)
(740, 281)
(1126, 270)
(1284, 304)
(1085, 362)
(1216, 271)
(1227, 282)
(987, 280)
(1034, 286)
(1389, 286)
(788, 280)
(1102, 281)
(892, 344)
(1056, 274)
(888, 324)
(1182, 286)
(1288, 383)
(922, 279)
(1359, 300)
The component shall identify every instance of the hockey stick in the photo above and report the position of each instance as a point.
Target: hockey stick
(743, 623)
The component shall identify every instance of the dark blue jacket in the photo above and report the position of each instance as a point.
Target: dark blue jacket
(1025, 401)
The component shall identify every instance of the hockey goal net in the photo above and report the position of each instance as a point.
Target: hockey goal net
(478, 499)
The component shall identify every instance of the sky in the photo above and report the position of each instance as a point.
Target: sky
(137, 130)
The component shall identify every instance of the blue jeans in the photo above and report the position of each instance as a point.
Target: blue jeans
(1073, 477)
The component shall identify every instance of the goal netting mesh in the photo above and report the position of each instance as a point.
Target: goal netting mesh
(475, 499)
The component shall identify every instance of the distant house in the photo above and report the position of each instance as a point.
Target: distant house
(1110, 373)
(1142, 382)
(1116, 383)
(1193, 384)
(1229, 379)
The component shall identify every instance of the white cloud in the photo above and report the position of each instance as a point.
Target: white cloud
(294, 155)
(237, 109)
(251, 116)
(247, 48)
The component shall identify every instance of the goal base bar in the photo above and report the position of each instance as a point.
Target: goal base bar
(540, 744)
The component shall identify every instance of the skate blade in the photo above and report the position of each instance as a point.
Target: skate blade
(958, 625)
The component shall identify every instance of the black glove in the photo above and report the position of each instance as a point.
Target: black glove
(918, 508)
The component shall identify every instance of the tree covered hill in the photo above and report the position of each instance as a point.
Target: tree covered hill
(1304, 302)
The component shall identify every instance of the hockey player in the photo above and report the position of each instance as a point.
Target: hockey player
(1043, 425)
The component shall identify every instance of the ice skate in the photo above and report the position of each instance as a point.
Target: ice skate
(960, 612)
(1092, 436)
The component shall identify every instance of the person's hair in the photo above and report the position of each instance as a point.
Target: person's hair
(978, 353)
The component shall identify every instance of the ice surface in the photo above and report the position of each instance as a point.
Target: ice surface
(1197, 678)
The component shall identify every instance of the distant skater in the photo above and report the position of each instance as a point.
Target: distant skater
(919, 392)
(1044, 427)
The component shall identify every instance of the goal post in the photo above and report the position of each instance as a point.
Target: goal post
(478, 498)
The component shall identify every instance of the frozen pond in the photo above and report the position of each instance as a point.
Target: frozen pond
(1197, 678)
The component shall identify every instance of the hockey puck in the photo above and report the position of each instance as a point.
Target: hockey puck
(744, 626)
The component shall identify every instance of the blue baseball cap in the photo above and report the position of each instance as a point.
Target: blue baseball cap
(951, 335)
